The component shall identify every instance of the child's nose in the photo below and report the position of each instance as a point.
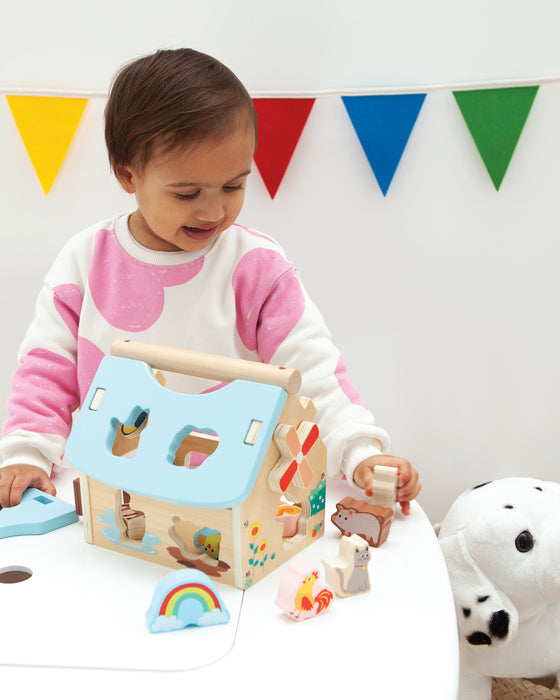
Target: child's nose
(211, 208)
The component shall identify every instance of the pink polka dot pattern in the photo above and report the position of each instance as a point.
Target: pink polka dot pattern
(268, 300)
(89, 357)
(47, 380)
(346, 384)
(132, 302)
(68, 302)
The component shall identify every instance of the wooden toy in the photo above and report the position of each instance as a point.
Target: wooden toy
(354, 517)
(184, 598)
(289, 516)
(37, 514)
(384, 486)
(348, 573)
(301, 593)
(196, 481)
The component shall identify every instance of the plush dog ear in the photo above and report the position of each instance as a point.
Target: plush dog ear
(485, 614)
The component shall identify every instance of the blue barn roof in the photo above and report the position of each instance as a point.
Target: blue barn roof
(123, 389)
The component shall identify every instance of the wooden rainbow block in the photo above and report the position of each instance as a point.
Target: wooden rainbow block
(185, 598)
(197, 481)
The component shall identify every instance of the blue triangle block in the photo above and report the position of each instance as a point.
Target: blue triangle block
(383, 124)
(37, 514)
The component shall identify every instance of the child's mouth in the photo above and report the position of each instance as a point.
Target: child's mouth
(199, 234)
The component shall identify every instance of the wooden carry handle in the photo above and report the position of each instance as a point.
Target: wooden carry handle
(200, 364)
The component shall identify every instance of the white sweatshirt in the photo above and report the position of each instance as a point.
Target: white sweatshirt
(239, 297)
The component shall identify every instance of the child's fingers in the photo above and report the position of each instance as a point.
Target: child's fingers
(410, 488)
(405, 507)
(43, 483)
(13, 483)
(363, 476)
(408, 485)
(11, 489)
(5, 485)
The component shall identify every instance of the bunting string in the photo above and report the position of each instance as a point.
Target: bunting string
(327, 92)
(383, 119)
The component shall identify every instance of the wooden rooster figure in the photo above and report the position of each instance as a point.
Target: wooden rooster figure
(301, 593)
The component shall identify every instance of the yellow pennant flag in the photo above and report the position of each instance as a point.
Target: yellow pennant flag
(47, 126)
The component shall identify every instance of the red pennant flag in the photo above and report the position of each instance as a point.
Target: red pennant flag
(281, 121)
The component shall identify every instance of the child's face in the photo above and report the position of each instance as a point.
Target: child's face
(186, 199)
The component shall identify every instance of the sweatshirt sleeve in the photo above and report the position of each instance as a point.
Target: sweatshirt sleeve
(278, 319)
(44, 387)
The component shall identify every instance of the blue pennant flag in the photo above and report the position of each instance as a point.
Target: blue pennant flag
(383, 124)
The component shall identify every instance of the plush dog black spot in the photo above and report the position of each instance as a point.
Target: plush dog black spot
(479, 638)
(499, 624)
(479, 486)
(498, 628)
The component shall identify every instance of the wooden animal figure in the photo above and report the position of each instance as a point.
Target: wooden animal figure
(131, 522)
(288, 515)
(301, 593)
(384, 486)
(195, 543)
(127, 437)
(348, 573)
(354, 517)
(209, 540)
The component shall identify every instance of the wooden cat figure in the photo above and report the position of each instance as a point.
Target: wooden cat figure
(348, 573)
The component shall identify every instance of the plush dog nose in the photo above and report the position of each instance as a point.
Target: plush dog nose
(499, 624)
(498, 628)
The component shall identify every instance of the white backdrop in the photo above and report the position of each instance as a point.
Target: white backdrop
(443, 295)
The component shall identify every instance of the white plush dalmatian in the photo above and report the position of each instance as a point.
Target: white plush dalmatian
(501, 542)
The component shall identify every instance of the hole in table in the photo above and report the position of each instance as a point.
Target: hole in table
(15, 574)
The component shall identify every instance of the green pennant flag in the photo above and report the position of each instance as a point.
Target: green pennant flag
(496, 119)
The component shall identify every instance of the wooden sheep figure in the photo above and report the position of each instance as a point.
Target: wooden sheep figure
(384, 486)
(197, 481)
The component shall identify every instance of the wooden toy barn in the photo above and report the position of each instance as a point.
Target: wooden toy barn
(231, 482)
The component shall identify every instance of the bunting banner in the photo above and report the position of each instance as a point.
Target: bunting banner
(383, 124)
(281, 122)
(496, 119)
(47, 126)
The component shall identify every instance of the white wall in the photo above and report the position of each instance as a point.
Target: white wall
(443, 296)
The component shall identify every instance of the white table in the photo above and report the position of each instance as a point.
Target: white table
(78, 623)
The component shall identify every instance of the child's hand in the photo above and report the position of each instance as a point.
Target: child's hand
(408, 486)
(15, 479)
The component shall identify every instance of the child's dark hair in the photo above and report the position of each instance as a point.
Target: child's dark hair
(168, 100)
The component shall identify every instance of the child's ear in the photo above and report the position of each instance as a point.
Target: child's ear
(127, 178)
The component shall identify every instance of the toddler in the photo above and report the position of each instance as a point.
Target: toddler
(181, 133)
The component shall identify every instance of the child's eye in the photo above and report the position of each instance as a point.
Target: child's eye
(233, 188)
(179, 195)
